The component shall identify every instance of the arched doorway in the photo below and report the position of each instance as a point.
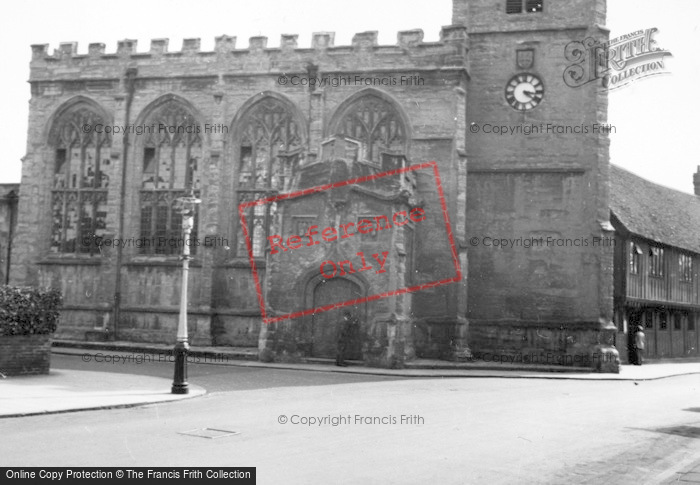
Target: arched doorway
(326, 325)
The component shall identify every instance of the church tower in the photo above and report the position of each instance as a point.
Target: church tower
(540, 273)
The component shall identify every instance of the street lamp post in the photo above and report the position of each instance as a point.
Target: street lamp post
(186, 205)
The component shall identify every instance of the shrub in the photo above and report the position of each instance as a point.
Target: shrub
(27, 310)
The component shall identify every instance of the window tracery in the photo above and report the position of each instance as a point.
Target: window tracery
(170, 168)
(269, 150)
(376, 125)
(81, 169)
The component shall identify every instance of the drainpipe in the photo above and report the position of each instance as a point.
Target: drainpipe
(11, 204)
(130, 78)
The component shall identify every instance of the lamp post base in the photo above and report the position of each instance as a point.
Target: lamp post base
(180, 385)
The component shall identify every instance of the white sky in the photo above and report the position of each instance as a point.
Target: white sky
(657, 119)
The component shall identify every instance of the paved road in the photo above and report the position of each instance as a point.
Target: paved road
(461, 431)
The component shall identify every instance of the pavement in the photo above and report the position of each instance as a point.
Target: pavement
(248, 357)
(63, 391)
(684, 473)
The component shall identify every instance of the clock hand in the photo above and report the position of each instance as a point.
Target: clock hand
(529, 94)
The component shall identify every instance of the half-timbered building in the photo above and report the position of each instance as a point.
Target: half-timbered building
(657, 253)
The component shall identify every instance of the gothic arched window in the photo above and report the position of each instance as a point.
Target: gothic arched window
(171, 159)
(80, 179)
(269, 147)
(376, 125)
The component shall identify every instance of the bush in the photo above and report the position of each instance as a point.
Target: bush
(27, 311)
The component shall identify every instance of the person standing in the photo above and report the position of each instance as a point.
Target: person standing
(631, 351)
(345, 334)
(639, 344)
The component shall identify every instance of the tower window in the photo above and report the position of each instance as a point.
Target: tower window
(520, 6)
(533, 6)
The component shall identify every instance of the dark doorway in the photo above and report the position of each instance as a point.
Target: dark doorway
(326, 325)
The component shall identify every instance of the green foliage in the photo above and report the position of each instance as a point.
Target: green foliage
(26, 310)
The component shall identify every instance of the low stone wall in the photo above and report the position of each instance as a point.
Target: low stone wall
(584, 344)
(25, 354)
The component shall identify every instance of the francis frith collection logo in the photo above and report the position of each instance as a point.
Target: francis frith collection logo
(617, 62)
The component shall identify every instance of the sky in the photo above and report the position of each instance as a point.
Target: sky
(656, 120)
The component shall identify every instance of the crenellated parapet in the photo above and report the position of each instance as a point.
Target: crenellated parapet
(363, 54)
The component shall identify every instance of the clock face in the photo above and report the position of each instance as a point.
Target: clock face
(524, 91)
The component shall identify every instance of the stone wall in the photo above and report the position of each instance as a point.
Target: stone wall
(546, 182)
(553, 184)
(426, 80)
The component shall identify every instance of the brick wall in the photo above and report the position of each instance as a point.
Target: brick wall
(25, 354)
